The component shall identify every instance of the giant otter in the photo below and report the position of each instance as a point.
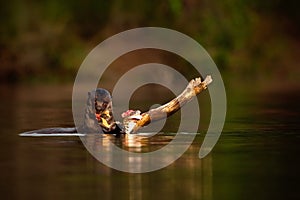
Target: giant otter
(99, 116)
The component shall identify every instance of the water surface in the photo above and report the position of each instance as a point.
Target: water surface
(257, 156)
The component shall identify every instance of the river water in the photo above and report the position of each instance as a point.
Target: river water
(256, 157)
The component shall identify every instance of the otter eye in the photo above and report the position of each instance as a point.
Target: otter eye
(104, 103)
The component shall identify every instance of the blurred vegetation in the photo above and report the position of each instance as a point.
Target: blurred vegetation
(48, 40)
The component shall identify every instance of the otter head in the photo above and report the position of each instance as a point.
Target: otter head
(103, 102)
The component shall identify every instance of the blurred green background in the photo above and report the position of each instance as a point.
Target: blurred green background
(48, 40)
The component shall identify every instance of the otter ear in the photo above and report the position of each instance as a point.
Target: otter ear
(91, 94)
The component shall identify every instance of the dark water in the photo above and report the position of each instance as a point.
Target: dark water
(257, 156)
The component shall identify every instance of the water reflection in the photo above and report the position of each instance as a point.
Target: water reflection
(188, 177)
(143, 142)
(137, 153)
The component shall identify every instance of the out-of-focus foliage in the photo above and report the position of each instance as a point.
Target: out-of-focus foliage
(50, 38)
